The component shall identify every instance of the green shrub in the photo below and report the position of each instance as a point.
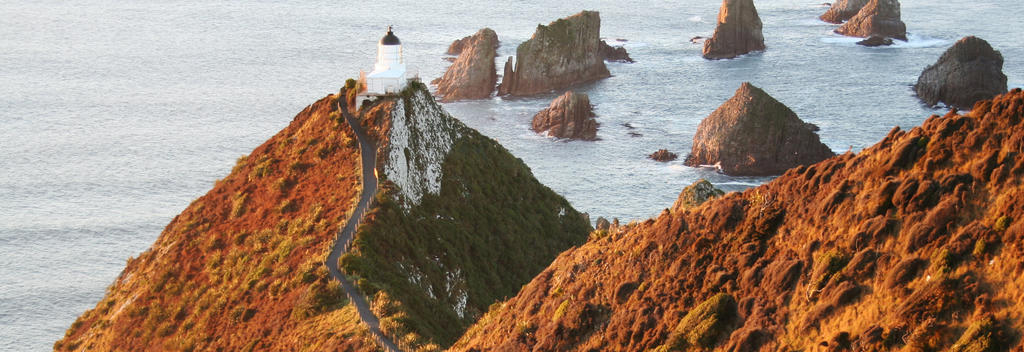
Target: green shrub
(980, 246)
(705, 325)
(981, 336)
(240, 163)
(1002, 223)
(560, 311)
(263, 168)
(284, 184)
(238, 204)
(829, 263)
(288, 206)
(318, 298)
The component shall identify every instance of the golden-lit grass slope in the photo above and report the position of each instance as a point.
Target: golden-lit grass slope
(914, 243)
(242, 268)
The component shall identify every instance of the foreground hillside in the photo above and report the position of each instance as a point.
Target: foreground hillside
(242, 267)
(459, 223)
(913, 243)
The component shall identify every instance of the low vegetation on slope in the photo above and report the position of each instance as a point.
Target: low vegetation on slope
(433, 267)
(913, 243)
(242, 267)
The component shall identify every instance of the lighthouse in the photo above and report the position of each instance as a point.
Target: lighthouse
(388, 74)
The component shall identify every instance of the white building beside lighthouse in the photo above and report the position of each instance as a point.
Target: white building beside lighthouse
(388, 74)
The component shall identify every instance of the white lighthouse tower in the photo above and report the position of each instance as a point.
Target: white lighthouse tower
(388, 74)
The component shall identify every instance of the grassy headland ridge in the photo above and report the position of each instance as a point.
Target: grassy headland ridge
(913, 243)
(242, 267)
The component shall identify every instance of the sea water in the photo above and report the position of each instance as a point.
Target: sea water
(114, 115)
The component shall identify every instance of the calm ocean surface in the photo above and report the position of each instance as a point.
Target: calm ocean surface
(115, 115)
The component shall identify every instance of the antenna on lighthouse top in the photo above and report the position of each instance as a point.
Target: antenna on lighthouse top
(389, 28)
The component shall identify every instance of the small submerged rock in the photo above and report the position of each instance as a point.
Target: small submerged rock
(753, 134)
(875, 41)
(569, 116)
(663, 155)
(969, 71)
(738, 31)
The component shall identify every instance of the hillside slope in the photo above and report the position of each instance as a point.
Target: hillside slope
(912, 243)
(460, 223)
(242, 267)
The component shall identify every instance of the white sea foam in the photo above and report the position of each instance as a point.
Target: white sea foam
(920, 41)
(914, 41)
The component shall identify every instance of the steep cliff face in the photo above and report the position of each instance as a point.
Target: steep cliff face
(460, 223)
(472, 75)
(738, 31)
(242, 266)
(969, 71)
(912, 243)
(563, 53)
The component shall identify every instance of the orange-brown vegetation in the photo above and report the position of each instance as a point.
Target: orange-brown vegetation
(242, 268)
(914, 243)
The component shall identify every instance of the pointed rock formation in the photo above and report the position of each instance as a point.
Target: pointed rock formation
(566, 52)
(569, 116)
(472, 75)
(880, 18)
(843, 10)
(967, 72)
(614, 53)
(754, 134)
(738, 31)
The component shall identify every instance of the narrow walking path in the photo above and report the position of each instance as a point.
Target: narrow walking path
(368, 156)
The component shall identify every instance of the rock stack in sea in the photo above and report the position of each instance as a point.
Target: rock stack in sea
(569, 116)
(754, 134)
(738, 31)
(614, 53)
(967, 72)
(879, 18)
(563, 53)
(843, 10)
(473, 74)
